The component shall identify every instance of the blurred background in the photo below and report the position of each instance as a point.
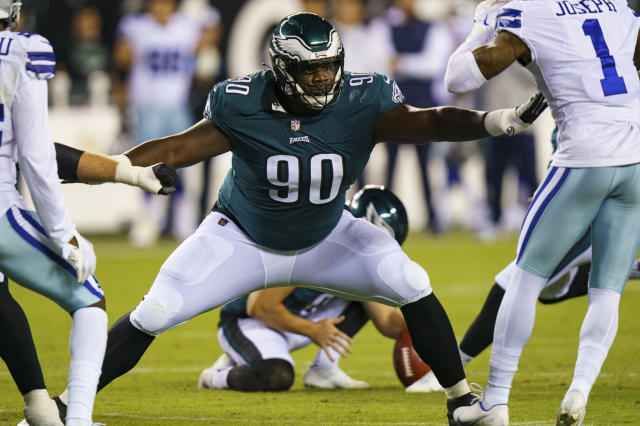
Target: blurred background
(131, 70)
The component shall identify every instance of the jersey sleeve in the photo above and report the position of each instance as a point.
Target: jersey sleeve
(37, 159)
(213, 109)
(390, 94)
(510, 19)
(40, 61)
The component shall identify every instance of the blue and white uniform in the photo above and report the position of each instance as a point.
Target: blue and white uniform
(594, 179)
(582, 58)
(162, 70)
(30, 242)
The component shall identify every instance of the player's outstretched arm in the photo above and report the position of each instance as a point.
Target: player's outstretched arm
(267, 306)
(406, 124)
(387, 319)
(201, 141)
(75, 165)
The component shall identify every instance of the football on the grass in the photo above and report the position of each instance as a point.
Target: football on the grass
(408, 364)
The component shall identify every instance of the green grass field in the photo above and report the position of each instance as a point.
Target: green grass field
(162, 390)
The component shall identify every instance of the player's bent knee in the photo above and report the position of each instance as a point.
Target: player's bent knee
(276, 375)
(156, 314)
(405, 277)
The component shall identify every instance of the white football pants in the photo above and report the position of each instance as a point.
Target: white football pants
(219, 262)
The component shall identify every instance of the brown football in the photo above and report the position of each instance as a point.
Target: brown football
(408, 364)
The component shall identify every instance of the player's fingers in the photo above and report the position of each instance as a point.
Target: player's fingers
(337, 320)
(342, 343)
(336, 347)
(345, 336)
(165, 173)
(328, 352)
(167, 190)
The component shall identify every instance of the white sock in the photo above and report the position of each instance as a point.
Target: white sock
(219, 378)
(322, 360)
(35, 395)
(87, 345)
(64, 396)
(514, 325)
(596, 336)
(459, 389)
(464, 357)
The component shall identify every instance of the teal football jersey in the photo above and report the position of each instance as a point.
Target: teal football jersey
(302, 302)
(289, 174)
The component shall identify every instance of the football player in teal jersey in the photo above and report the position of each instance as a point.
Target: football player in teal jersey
(300, 134)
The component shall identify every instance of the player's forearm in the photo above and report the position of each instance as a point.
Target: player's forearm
(280, 318)
(75, 165)
(446, 124)
(388, 320)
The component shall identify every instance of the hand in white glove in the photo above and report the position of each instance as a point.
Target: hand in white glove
(79, 252)
(156, 179)
(511, 121)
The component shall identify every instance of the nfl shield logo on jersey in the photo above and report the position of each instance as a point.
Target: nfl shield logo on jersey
(295, 125)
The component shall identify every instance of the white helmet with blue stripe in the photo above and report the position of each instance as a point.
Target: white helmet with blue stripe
(10, 12)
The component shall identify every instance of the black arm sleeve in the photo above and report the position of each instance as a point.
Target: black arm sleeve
(68, 159)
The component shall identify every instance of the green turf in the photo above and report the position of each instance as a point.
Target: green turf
(162, 389)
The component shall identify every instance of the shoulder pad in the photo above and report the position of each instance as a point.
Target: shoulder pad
(40, 60)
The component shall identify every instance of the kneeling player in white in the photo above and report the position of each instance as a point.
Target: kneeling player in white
(258, 332)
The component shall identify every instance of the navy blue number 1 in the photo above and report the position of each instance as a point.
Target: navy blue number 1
(612, 83)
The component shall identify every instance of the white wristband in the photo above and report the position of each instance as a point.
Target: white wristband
(503, 121)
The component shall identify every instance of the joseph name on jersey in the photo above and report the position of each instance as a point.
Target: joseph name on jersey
(23, 57)
(290, 173)
(582, 60)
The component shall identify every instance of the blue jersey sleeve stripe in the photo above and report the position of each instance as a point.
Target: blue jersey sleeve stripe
(42, 56)
(509, 18)
(509, 12)
(41, 69)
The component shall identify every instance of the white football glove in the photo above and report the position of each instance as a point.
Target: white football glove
(156, 179)
(511, 121)
(81, 257)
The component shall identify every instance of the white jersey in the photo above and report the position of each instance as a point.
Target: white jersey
(26, 62)
(582, 60)
(163, 58)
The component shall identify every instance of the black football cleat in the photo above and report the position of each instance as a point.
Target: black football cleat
(461, 401)
(62, 408)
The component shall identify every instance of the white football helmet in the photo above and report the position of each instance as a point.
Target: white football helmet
(10, 12)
